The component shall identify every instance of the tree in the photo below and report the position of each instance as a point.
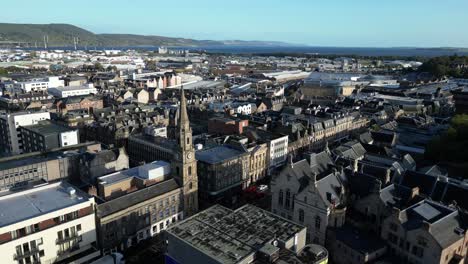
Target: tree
(98, 66)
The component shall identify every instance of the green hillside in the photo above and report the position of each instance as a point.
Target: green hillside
(63, 34)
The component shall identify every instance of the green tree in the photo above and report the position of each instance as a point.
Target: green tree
(98, 66)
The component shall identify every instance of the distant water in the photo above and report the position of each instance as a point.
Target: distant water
(424, 52)
(407, 52)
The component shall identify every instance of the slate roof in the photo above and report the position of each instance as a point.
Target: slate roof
(365, 138)
(438, 188)
(330, 189)
(320, 162)
(350, 150)
(363, 185)
(385, 136)
(433, 170)
(101, 157)
(358, 240)
(443, 221)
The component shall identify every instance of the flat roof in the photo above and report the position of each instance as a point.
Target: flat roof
(31, 203)
(217, 154)
(130, 173)
(72, 88)
(47, 127)
(230, 236)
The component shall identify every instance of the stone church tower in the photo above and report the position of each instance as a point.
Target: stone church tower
(184, 165)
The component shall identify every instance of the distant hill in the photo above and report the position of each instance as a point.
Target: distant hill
(61, 35)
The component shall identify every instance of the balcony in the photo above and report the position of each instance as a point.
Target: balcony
(22, 255)
(75, 238)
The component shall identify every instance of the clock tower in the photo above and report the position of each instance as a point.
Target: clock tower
(184, 165)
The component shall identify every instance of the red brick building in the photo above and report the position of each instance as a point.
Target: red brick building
(226, 126)
(78, 103)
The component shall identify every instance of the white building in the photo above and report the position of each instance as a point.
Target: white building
(39, 84)
(10, 135)
(278, 148)
(156, 131)
(62, 92)
(47, 224)
(242, 108)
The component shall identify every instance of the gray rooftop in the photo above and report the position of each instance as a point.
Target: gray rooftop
(130, 173)
(28, 204)
(230, 236)
(47, 127)
(218, 154)
(136, 197)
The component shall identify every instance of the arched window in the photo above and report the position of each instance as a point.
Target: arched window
(301, 215)
(287, 202)
(188, 140)
(280, 198)
(317, 222)
(305, 199)
(190, 186)
(190, 170)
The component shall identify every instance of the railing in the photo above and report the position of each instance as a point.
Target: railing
(74, 237)
(62, 252)
(29, 253)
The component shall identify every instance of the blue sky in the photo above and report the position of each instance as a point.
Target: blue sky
(357, 23)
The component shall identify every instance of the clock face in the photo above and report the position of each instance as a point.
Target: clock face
(189, 156)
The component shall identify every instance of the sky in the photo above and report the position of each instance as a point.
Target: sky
(336, 23)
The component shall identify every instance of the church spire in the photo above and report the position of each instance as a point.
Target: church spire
(183, 116)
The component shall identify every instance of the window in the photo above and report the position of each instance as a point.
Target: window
(19, 250)
(26, 247)
(287, 202)
(301, 215)
(417, 251)
(78, 227)
(280, 198)
(190, 170)
(422, 241)
(317, 222)
(188, 141)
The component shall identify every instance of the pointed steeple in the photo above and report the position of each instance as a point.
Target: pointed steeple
(183, 116)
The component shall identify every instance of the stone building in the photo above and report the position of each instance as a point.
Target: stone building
(427, 232)
(138, 204)
(64, 105)
(310, 193)
(258, 160)
(94, 164)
